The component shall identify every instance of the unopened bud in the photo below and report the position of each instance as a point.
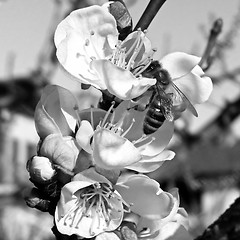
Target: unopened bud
(40, 169)
(123, 18)
(217, 26)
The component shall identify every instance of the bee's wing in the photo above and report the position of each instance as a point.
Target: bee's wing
(166, 104)
(190, 107)
(168, 114)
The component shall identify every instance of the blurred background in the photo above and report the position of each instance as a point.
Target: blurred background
(206, 168)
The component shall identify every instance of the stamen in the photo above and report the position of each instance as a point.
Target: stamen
(112, 118)
(76, 109)
(119, 124)
(135, 42)
(142, 138)
(107, 114)
(94, 202)
(140, 70)
(122, 58)
(94, 218)
(149, 56)
(77, 217)
(104, 211)
(145, 144)
(128, 129)
(91, 116)
(136, 52)
(145, 62)
(116, 53)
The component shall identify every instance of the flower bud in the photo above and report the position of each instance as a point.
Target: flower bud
(122, 17)
(40, 169)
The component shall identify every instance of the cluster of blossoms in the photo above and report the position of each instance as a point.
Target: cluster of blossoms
(91, 164)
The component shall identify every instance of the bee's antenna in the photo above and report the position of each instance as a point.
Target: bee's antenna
(149, 13)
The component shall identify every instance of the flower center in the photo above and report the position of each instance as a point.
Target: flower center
(131, 55)
(97, 202)
(115, 127)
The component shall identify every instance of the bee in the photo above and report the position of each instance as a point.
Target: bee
(160, 106)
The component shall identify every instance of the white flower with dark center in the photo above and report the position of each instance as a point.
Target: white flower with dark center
(116, 140)
(88, 48)
(89, 206)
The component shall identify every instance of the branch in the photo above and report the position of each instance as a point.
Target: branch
(212, 40)
(226, 227)
(229, 36)
(149, 13)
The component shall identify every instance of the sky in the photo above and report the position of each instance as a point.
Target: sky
(180, 25)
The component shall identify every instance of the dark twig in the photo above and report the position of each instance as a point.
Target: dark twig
(149, 13)
(206, 60)
(227, 41)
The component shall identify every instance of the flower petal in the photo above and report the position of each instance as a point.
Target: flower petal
(113, 151)
(55, 107)
(121, 82)
(179, 64)
(145, 49)
(160, 140)
(90, 176)
(149, 164)
(83, 162)
(44, 123)
(107, 236)
(61, 151)
(40, 169)
(145, 197)
(157, 224)
(196, 88)
(86, 34)
(173, 230)
(84, 135)
(182, 218)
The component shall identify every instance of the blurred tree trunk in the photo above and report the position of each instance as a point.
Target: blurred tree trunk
(6, 152)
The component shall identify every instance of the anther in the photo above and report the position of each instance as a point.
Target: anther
(128, 129)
